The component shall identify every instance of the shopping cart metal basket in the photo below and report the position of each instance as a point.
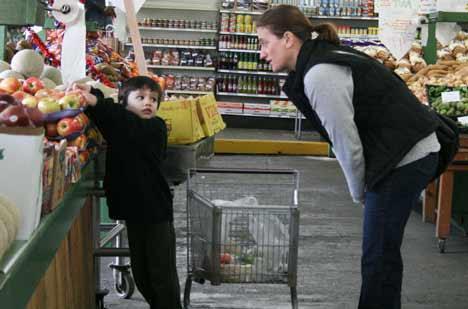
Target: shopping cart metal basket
(243, 227)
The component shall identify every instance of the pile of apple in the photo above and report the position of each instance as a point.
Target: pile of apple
(29, 104)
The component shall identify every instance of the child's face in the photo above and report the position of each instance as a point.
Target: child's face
(143, 102)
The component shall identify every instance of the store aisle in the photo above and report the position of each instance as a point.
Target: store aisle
(330, 239)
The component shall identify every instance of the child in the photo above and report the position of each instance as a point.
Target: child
(135, 188)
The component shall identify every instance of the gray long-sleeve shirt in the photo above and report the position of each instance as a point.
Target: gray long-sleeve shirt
(330, 89)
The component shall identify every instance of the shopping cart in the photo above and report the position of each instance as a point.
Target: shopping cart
(243, 227)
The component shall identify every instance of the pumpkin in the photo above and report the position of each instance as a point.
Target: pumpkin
(7, 217)
(28, 62)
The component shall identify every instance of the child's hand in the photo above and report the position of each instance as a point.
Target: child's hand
(85, 92)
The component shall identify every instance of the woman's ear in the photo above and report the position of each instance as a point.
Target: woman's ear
(289, 39)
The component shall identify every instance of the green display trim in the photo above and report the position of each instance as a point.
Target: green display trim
(18, 285)
(3, 41)
(430, 50)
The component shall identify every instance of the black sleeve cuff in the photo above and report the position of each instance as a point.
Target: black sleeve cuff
(97, 93)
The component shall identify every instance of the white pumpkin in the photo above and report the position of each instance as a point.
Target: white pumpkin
(49, 84)
(3, 239)
(11, 73)
(10, 223)
(8, 204)
(28, 62)
(53, 74)
(4, 66)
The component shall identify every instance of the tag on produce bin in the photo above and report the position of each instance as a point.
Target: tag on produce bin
(450, 96)
(463, 120)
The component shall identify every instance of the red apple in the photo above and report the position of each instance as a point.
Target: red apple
(70, 101)
(51, 129)
(82, 119)
(43, 93)
(10, 84)
(48, 105)
(84, 155)
(67, 126)
(35, 115)
(14, 116)
(30, 101)
(20, 95)
(33, 85)
(79, 142)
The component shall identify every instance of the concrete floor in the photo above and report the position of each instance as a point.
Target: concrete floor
(329, 254)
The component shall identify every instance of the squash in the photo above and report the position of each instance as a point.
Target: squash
(28, 62)
(11, 208)
(53, 74)
(11, 73)
(3, 239)
(4, 66)
(7, 217)
(49, 84)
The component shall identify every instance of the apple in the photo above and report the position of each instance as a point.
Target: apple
(79, 142)
(48, 105)
(82, 119)
(14, 116)
(80, 96)
(67, 126)
(20, 95)
(84, 155)
(35, 115)
(30, 101)
(70, 101)
(226, 258)
(10, 84)
(57, 94)
(51, 129)
(43, 93)
(33, 85)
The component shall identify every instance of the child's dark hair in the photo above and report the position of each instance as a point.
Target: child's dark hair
(135, 83)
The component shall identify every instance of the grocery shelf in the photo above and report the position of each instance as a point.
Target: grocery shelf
(239, 50)
(344, 17)
(242, 12)
(251, 95)
(179, 67)
(252, 72)
(175, 46)
(238, 33)
(269, 115)
(359, 37)
(179, 29)
(149, 5)
(188, 92)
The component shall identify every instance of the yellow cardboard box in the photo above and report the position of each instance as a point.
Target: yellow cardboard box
(210, 118)
(182, 121)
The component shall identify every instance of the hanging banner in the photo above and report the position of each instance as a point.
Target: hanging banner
(137, 4)
(398, 22)
(428, 6)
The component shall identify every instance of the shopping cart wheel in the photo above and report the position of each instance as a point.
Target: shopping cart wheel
(188, 288)
(442, 245)
(294, 302)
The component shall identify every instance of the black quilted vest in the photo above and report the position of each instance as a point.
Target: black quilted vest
(389, 118)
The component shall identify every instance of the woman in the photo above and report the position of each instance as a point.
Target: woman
(382, 136)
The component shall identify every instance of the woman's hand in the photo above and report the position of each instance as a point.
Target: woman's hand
(85, 91)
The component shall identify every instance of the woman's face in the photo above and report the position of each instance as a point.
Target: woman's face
(273, 49)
